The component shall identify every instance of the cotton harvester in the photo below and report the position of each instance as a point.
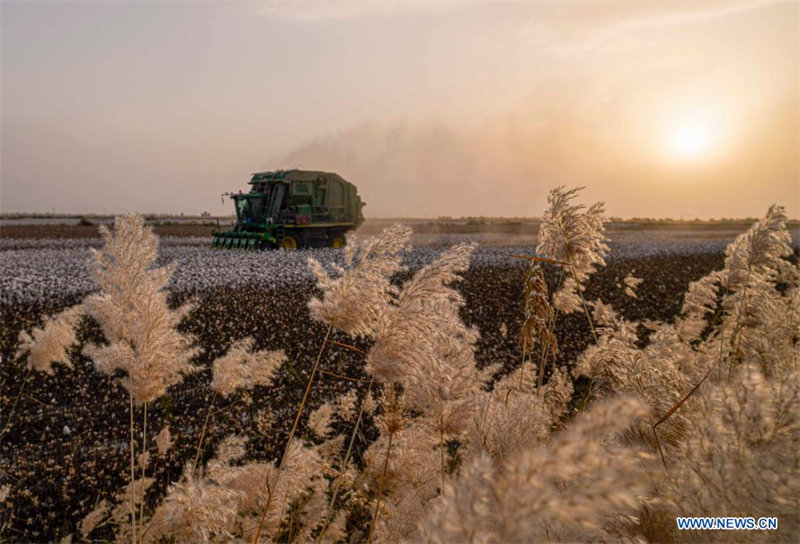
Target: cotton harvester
(290, 209)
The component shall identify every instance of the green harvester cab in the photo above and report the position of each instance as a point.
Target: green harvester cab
(291, 209)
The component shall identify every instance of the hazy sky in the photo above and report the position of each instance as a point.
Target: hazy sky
(674, 109)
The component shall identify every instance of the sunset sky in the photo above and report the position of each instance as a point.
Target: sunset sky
(661, 109)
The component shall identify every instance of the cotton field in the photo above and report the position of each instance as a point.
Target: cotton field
(577, 386)
(46, 268)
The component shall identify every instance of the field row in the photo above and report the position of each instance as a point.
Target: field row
(58, 267)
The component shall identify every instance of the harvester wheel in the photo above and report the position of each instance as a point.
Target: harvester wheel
(338, 241)
(288, 242)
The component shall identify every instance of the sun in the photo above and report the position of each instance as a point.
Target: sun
(690, 140)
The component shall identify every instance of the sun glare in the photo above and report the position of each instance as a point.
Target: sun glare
(690, 140)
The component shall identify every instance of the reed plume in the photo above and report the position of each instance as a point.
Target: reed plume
(572, 234)
(320, 420)
(163, 441)
(421, 342)
(422, 345)
(459, 457)
(94, 518)
(195, 510)
(632, 283)
(48, 344)
(566, 490)
(760, 251)
(132, 310)
(223, 502)
(503, 424)
(753, 262)
(655, 373)
(539, 318)
(241, 367)
(740, 456)
(354, 296)
(744, 298)
(400, 473)
(44, 346)
(699, 303)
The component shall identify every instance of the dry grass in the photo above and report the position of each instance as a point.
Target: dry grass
(460, 454)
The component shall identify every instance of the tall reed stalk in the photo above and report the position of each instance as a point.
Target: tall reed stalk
(294, 428)
(11, 412)
(583, 302)
(338, 485)
(203, 432)
(133, 476)
(380, 487)
(144, 459)
(736, 337)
